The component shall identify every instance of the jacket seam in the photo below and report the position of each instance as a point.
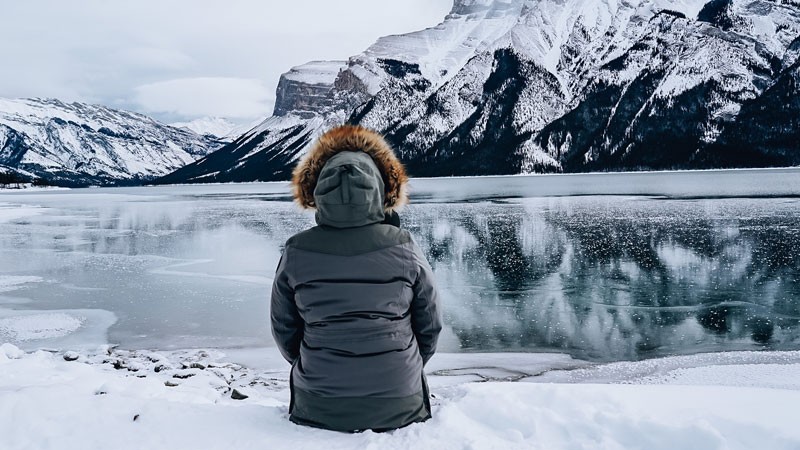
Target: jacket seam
(401, 244)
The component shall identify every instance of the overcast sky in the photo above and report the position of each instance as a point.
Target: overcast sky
(179, 60)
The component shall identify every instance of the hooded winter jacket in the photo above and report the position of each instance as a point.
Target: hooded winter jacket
(354, 306)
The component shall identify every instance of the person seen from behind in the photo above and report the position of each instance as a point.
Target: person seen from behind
(354, 305)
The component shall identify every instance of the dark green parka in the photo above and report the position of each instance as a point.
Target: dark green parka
(354, 305)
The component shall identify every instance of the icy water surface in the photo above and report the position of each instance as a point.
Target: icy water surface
(604, 267)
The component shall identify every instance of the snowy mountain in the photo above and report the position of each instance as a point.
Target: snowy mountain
(213, 126)
(78, 144)
(520, 86)
(216, 127)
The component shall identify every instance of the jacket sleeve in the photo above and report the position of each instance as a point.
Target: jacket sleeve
(426, 321)
(287, 325)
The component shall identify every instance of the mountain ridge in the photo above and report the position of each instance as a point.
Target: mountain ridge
(527, 86)
(79, 144)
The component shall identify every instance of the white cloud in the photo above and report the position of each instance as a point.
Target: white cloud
(120, 52)
(237, 98)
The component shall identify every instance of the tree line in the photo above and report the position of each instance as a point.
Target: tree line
(15, 181)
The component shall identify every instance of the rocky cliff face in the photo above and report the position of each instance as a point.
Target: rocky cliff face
(520, 86)
(304, 89)
(77, 144)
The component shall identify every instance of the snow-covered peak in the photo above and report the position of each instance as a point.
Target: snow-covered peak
(213, 126)
(316, 72)
(537, 28)
(467, 7)
(439, 51)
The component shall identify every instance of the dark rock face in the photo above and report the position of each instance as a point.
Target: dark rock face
(273, 163)
(643, 89)
(300, 97)
(767, 130)
(12, 146)
(718, 13)
(307, 89)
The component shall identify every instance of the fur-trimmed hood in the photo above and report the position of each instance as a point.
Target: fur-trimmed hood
(354, 139)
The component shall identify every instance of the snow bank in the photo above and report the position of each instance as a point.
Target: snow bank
(139, 399)
(676, 368)
(775, 376)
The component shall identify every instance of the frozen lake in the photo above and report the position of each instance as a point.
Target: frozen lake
(603, 267)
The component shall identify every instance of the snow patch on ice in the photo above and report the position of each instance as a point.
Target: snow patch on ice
(12, 283)
(39, 326)
(78, 328)
(9, 212)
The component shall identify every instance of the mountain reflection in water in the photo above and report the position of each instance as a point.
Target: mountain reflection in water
(608, 278)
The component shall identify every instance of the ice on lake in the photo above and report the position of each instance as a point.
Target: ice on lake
(601, 267)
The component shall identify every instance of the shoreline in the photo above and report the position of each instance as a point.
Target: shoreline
(411, 179)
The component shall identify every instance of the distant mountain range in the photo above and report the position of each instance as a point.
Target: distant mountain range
(217, 127)
(522, 86)
(77, 144)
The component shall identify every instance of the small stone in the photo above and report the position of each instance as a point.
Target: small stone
(236, 395)
(71, 356)
(183, 376)
(136, 417)
(197, 366)
(170, 384)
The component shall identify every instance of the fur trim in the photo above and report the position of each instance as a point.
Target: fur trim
(350, 138)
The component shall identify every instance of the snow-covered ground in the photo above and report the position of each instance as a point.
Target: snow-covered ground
(109, 398)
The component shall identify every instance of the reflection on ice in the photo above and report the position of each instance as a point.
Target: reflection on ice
(610, 278)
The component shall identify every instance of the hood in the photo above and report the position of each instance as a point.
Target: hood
(349, 191)
(346, 166)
